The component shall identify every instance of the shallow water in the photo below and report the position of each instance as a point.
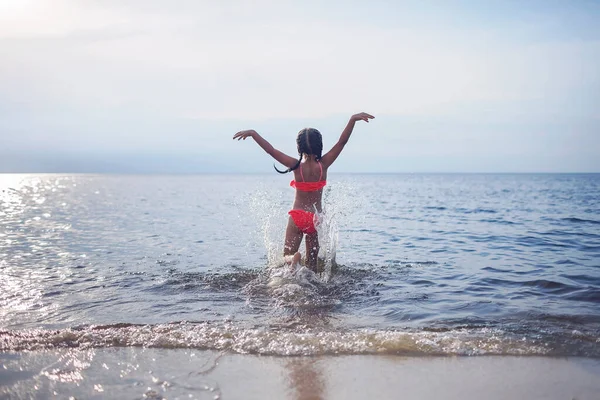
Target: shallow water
(427, 264)
(159, 374)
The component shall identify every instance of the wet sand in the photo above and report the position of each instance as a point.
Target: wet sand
(135, 373)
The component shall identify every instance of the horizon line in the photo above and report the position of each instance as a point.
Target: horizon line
(335, 173)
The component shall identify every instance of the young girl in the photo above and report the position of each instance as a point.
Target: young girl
(310, 176)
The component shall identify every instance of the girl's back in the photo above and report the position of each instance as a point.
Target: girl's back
(309, 171)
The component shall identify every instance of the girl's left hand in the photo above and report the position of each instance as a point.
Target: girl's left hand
(363, 116)
(244, 134)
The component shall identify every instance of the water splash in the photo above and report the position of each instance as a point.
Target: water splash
(268, 209)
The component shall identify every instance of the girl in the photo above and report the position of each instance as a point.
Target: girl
(310, 176)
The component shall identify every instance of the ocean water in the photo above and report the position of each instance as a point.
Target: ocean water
(417, 264)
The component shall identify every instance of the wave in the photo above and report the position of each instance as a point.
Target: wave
(543, 286)
(303, 340)
(478, 210)
(580, 220)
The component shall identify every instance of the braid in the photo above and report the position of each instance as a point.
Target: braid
(319, 148)
(315, 143)
(309, 142)
(289, 169)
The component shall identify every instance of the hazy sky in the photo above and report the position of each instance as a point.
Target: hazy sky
(162, 86)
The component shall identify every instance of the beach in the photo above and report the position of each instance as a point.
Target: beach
(133, 373)
(304, 200)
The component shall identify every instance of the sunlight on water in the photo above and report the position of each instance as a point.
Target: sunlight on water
(13, 181)
(10, 192)
(70, 367)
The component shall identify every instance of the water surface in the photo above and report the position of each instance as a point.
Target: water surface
(428, 264)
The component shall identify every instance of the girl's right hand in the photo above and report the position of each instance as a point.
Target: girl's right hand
(362, 117)
(244, 134)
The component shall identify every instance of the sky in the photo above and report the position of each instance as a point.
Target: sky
(148, 86)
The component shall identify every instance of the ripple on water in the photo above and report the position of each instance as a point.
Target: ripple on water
(473, 252)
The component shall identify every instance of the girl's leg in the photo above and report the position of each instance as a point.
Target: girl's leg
(293, 238)
(312, 251)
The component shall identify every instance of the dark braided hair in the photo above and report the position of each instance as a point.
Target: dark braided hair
(309, 142)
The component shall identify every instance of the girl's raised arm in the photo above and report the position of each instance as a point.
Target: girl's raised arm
(281, 157)
(335, 151)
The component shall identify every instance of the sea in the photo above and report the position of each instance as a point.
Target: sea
(415, 265)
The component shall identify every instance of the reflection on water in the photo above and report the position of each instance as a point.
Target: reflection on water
(10, 183)
(70, 367)
(305, 378)
(128, 373)
(18, 292)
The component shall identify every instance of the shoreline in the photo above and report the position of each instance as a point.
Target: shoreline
(202, 374)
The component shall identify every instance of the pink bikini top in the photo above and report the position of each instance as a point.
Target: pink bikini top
(309, 186)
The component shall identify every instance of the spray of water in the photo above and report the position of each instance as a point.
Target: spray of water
(268, 207)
